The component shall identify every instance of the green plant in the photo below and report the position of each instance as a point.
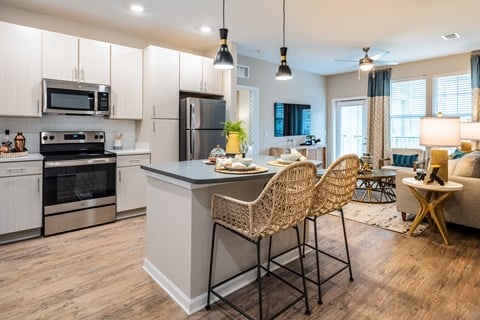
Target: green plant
(235, 126)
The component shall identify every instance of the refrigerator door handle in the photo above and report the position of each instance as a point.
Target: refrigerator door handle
(192, 145)
(192, 116)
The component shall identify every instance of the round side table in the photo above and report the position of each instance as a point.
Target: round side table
(431, 203)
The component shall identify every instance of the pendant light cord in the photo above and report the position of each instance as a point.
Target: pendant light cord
(283, 23)
(224, 14)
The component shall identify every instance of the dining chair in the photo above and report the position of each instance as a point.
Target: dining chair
(282, 204)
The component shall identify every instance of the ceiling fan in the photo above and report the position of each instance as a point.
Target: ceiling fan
(367, 63)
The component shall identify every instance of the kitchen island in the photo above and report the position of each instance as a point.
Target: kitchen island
(179, 228)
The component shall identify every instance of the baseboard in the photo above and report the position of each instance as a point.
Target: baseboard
(131, 213)
(192, 305)
(20, 235)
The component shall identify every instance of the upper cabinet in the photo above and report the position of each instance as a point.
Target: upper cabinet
(20, 71)
(126, 83)
(66, 57)
(198, 75)
(160, 83)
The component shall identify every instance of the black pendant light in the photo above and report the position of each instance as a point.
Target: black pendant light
(223, 59)
(283, 71)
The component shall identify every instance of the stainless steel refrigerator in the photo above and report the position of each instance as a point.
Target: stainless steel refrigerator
(201, 126)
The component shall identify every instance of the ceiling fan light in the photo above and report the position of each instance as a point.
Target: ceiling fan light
(366, 66)
(223, 59)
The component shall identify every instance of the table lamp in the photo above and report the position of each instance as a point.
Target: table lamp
(439, 132)
(470, 131)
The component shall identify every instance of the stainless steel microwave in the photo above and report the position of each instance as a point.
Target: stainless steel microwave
(77, 98)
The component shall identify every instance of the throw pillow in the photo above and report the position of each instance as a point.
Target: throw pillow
(468, 166)
(457, 154)
(404, 160)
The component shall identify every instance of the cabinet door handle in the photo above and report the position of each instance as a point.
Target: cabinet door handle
(38, 106)
(153, 125)
(119, 175)
(74, 74)
(154, 110)
(134, 161)
(38, 185)
(201, 85)
(15, 170)
(113, 110)
(205, 85)
(83, 74)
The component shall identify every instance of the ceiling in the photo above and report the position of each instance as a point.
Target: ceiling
(317, 31)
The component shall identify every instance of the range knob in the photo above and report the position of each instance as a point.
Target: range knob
(95, 137)
(101, 136)
(51, 137)
(45, 138)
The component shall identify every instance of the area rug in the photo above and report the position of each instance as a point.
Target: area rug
(380, 215)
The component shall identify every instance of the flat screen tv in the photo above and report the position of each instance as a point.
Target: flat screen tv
(291, 119)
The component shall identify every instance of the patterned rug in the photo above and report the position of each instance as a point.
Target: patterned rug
(384, 216)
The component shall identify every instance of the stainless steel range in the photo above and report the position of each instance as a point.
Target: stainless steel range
(78, 180)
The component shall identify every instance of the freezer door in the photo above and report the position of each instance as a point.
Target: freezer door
(204, 113)
(199, 143)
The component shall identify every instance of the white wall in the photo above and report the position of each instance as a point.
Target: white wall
(348, 85)
(304, 88)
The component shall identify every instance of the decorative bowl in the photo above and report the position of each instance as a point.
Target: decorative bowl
(245, 161)
(289, 157)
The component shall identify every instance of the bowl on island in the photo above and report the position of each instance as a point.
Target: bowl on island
(245, 161)
(289, 156)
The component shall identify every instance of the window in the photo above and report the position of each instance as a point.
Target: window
(452, 95)
(407, 106)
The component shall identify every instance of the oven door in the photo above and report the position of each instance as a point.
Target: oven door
(78, 184)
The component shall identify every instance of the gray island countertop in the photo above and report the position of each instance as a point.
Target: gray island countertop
(197, 172)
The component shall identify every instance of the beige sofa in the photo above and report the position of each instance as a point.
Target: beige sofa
(462, 207)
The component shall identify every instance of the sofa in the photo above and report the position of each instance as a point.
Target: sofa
(402, 159)
(462, 207)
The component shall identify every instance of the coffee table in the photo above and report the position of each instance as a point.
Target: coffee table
(376, 186)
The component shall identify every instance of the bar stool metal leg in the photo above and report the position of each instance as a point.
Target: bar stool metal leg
(307, 308)
(259, 280)
(210, 269)
(346, 245)
(319, 301)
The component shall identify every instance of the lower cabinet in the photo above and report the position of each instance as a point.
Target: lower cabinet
(20, 196)
(131, 182)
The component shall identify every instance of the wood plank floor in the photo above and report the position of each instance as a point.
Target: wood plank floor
(97, 273)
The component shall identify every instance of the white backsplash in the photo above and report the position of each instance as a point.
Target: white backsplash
(31, 128)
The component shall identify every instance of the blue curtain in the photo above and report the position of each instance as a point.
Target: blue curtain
(475, 70)
(379, 114)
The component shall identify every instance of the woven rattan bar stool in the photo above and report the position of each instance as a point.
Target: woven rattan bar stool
(283, 204)
(334, 190)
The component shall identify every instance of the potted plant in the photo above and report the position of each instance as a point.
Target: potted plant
(235, 135)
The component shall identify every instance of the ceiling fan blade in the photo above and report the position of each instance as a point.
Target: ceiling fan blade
(379, 55)
(345, 60)
(385, 63)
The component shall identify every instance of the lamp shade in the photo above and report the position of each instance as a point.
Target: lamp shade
(470, 130)
(440, 131)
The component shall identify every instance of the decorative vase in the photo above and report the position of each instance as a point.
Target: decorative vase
(19, 142)
(233, 145)
(366, 162)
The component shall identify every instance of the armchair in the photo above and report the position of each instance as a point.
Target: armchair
(402, 159)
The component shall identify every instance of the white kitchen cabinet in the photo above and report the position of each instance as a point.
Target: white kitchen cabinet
(20, 71)
(160, 83)
(66, 57)
(20, 196)
(164, 140)
(131, 181)
(126, 83)
(198, 75)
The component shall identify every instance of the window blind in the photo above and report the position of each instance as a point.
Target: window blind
(452, 95)
(407, 106)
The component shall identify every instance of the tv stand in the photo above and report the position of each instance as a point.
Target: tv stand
(311, 152)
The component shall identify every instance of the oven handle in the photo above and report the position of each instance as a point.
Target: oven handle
(79, 162)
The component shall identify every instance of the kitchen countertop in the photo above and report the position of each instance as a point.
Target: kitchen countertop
(130, 151)
(197, 172)
(29, 157)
